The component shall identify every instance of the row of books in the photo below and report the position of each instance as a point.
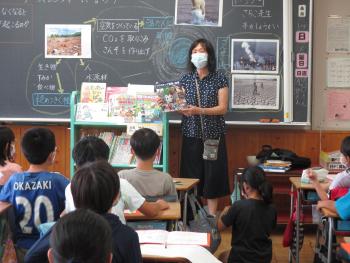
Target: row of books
(135, 103)
(276, 166)
(120, 149)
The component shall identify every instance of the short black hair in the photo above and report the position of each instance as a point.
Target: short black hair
(37, 144)
(208, 48)
(89, 149)
(81, 236)
(6, 138)
(95, 186)
(145, 143)
(345, 146)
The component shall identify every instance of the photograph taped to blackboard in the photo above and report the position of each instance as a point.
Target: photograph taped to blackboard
(67, 41)
(254, 55)
(255, 92)
(199, 12)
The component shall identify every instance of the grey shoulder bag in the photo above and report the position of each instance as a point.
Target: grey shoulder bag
(210, 146)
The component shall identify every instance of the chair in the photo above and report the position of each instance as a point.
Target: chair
(330, 227)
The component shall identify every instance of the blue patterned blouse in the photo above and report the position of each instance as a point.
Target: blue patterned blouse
(214, 125)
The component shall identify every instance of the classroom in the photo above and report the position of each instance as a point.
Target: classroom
(229, 102)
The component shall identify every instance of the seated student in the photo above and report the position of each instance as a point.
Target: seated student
(7, 155)
(252, 219)
(342, 179)
(341, 206)
(36, 195)
(147, 180)
(95, 186)
(70, 242)
(92, 148)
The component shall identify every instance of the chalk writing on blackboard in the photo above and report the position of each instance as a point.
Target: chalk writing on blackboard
(223, 52)
(16, 23)
(300, 91)
(48, 85)
(51, 99)
(257, 3)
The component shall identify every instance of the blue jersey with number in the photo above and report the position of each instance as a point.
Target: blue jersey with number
(36, 198)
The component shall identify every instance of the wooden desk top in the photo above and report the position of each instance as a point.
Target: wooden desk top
(172, 213)
(296, 181)
(4, 206)
(185, 184)
(328, 213)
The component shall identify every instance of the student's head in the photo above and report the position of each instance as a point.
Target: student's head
(202, 46)
(95, 186)
(38, 145)
(7, 140)
(89, 149)
(81, 236)
(253, 179)
(145, 143)
(345, 150)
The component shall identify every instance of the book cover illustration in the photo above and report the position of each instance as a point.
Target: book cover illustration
(92, 92)
(115, 91)
(147, 108)
(121, 151)
(95, 112)
(171, 97)
(122, 108)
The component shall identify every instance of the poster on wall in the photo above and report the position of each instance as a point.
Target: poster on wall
(254, 56)
(338, 72)
(255, 91)
(338, 105)
(338, 34)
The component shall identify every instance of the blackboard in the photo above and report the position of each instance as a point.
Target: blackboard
(131, 42)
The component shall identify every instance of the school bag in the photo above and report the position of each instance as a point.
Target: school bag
(268, 153)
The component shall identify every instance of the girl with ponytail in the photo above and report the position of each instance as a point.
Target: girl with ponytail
(252, 219)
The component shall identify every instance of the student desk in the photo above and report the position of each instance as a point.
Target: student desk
(299, 187)
(172, 214)
(183, 186)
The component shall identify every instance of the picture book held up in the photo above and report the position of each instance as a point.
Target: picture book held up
(173, 237)
(171, 97)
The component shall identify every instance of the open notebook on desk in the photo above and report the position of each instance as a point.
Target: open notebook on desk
(194, 253)
(173, 238)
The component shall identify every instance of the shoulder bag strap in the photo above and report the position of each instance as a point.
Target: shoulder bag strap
(199, 104)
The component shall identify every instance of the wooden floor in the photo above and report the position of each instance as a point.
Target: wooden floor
(280, 254)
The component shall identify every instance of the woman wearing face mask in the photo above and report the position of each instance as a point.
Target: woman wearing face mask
(205, 116)
(7, 155)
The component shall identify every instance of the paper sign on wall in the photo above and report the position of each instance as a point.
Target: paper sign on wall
(338, 103)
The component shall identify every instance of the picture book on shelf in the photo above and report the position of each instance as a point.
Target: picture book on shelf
(122, 108)
(171, 97)
(112, 91)
(173, 237)
(94, 112)
(92, 92)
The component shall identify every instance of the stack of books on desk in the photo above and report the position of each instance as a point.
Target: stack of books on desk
(275, 166)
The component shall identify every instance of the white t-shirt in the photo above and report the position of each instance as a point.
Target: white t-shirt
(129, 199)
(342, 179)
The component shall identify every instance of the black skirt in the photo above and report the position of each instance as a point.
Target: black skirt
(213, 175)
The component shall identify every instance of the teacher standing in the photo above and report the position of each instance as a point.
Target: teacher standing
(211, 106)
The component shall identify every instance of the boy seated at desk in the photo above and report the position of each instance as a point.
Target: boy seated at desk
(341, 181)
(37, 195)
(148, 181)
(90, 149)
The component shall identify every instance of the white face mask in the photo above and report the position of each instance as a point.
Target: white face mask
(199, 60)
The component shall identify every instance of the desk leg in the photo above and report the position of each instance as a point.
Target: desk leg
(297, 220)
(290, 256)
(329, 243)
(184, 219)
